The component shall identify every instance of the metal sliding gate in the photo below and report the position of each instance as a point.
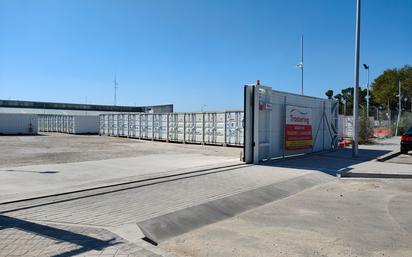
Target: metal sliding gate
(279, 124)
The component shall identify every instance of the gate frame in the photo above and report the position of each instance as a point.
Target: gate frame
(251, 124)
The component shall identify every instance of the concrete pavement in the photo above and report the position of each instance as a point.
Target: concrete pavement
(346, 217)
(118, 212)
(304, 211)
(343, 217)
(39, 180)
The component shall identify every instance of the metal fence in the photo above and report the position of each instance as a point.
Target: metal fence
(346, 126)
(214, 128)
(72, 124)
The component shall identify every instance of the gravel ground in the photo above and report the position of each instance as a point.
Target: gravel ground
(53, 148)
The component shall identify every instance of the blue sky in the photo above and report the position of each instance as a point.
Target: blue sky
(191, 52)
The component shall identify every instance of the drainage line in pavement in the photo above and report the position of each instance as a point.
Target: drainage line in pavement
(119, 184)
(174, 177)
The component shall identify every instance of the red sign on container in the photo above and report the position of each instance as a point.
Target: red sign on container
(298, 136)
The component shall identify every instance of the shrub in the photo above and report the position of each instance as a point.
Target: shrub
(365, 130)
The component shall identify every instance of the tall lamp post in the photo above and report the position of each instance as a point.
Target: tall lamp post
(399, 107)
(367, 91)
(300, 65)
(355, 132)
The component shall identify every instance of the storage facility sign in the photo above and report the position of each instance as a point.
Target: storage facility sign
(298, 128)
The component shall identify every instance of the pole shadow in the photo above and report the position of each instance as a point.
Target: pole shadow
(85, 243)
(331, 163)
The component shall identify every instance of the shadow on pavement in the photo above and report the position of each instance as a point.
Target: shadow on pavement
(22, 135)
(85, 242)
(33, 171)
(331, 163)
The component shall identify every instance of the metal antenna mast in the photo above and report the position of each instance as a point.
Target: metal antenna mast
(115, 90)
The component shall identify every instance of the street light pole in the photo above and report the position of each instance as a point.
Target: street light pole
(300, 65)
(301, 61)
(367, 91)
(355, 132)
(399, 107)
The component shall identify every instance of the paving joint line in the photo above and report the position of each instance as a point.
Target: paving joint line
(156, 180)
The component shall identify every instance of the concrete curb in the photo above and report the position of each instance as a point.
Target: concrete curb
(375, 175)
(388, 156)
(161, 228)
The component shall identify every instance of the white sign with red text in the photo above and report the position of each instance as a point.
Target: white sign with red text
(298, 128)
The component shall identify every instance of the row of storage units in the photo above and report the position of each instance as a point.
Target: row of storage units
(215, 128)
(72, 124)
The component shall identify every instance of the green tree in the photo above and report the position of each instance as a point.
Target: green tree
(384, 88)
(365, 131)
(329, 94)
(346, 97)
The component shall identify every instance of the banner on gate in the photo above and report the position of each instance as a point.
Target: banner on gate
(298, 128)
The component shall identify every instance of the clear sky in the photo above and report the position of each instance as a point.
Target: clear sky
(191, 52)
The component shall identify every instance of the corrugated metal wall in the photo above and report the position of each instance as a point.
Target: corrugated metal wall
(71, 124)
(215, 128)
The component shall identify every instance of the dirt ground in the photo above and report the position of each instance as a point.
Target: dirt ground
(53, 148)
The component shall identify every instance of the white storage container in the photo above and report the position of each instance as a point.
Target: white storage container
(110, 123)
(134, 125)
(12, 123)
(160, 126)
(66, 124)
(85, 124)
(48, 124)
(54, 123)
(124, 125)
(101, 124)
(194, 127)
(40, 122)
(116, 124)
(70, 124)
(147, 126)
(215, 128)
(176, 127)
(234, 128)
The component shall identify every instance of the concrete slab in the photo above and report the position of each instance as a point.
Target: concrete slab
(344, 217)
(164, 227)
(38, 180)
(340, 218)
(152, 200)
